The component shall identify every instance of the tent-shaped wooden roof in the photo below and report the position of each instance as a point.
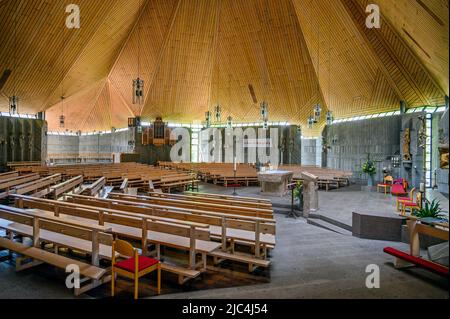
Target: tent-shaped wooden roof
(195, 54)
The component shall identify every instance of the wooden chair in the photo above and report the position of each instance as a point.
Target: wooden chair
(412, 205)
(387, 183)
(410, 198)
(134, 267)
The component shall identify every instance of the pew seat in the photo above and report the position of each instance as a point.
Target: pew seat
(252, 262)
(243, 235)
(59, 261)
(57, 238)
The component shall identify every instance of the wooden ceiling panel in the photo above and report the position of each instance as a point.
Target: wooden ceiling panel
(195, 54)
(423, 26)
(39, 63)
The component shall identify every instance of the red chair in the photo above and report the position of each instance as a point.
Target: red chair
(410, 198)
(412, 205)
(133, 267)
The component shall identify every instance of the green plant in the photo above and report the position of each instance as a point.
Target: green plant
(430, 210)
(369, 168)
(298, 190)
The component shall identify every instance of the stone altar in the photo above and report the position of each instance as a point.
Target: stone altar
(310, 194)
(275, 182)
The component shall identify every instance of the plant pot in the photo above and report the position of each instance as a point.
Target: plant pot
(370, 181)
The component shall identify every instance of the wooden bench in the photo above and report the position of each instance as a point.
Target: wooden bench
(95, 188)
(328, 182)
(230, 197)
(252, 262)
(226, 209)
(255, 232)
(69, 185)
(8, 175)
(184, 235)
(39, 187)
(404, 260)
(61, 232)
(11, 182)
(224, 200)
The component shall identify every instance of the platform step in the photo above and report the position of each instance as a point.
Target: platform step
(329, 226)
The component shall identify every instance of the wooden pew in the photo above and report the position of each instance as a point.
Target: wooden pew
(225, 209)
(11, 182)
(39, 188)
(404, 260)
(95, 188)
(8, 175)
(183, 235)
(61, 232)
(258, 233)
(223, 200)
(230, 197)
(69, 185)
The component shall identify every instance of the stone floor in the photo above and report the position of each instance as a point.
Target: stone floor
(308, 261)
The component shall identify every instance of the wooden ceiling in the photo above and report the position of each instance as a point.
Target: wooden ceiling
(195, 54)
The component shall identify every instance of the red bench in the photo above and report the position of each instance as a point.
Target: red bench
(419, 262)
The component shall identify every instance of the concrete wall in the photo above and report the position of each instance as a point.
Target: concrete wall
(311, 153)
(351, 142)
(21, 140)
(90, 144)
(61, 144)
(289, 144)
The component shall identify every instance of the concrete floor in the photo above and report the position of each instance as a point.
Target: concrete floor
(308, 261)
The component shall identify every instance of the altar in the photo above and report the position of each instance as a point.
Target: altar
(274, 182)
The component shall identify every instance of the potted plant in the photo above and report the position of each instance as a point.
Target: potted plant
(431, 210)
(298, 193)
(369, 168)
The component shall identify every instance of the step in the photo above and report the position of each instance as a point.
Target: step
(328, 226)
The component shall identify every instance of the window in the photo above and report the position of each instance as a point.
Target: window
(195, 145)
(428, 150)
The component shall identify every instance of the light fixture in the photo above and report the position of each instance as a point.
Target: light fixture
(265, 124)
(138, 91)
(14, 100)
(229, 122)
(310, 121)
(317, 112)
(218, 111)
(13, 104)
(330, 118)
(138, 84)
(264, 111)
(207, 119)
(62, 118)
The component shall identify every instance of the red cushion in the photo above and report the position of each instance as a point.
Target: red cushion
(423, 263)
(409, 203)
(144, 262)
(397, 189)
(403, 200)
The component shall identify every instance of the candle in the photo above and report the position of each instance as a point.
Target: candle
(422, 187)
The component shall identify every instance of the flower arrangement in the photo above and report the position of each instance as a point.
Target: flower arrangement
(369, 168)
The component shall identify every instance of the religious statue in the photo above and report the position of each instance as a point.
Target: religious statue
(443, 156)
(406, 145)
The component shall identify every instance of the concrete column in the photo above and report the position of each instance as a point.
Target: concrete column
(310, 194)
